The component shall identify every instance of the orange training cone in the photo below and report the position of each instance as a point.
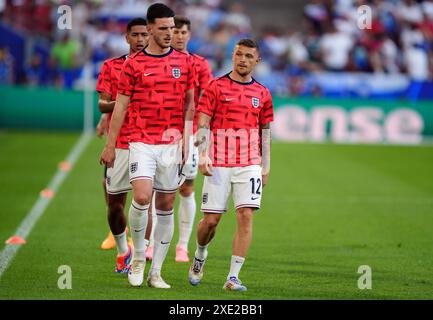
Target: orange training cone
(65, 166)
(47, 193)
(15, 240)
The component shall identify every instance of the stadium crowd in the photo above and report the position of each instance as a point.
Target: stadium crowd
(400, 40)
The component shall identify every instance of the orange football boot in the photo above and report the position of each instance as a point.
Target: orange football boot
(109, 242)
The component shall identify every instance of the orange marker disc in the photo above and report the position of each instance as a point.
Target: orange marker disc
(15, 240)
(47, 193)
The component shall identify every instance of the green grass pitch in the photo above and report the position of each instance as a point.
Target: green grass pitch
(327, 210)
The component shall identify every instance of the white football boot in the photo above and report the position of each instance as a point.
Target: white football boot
(196, 271)
(234, 284)
(136, 271)
(155, 281)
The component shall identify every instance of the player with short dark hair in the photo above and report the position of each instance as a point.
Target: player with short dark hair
(116, 180)
(157, 87)
(238, 111)
(187, 205)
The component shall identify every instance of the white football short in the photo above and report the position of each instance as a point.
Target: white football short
(160, 163)
(117, 177)
(191, 165)
(245, 182)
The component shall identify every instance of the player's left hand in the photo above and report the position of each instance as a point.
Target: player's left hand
(108, 156)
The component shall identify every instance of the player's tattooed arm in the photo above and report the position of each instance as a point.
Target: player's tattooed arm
(104, 103)
(202, 143)
(265, 134)
(108, 154)
(203, 134)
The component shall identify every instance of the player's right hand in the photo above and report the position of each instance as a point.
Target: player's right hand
(108, 156)
(205, 166)
(199, 142)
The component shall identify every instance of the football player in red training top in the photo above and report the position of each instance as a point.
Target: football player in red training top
(157, 87)
(238, 111)
(187, 205)
(116, 182)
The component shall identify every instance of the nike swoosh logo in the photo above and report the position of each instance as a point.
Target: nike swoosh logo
(252, 198)
(146, 74)
(139, 230)
(162, 242)
(229, 99)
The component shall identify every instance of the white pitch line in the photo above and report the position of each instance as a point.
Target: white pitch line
(26, 226)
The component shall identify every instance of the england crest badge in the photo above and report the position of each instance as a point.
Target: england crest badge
(255, 102)
(176, 72)
(134, 167)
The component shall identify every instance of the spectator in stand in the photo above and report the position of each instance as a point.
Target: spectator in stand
(53, 76)
(427, 7)
(274, 47)
(66, 53)
(237, 17)
(80, 17)
(220, 37)
(34, 72)
(415, 53)
(410, 11)
(311, 40)
(116, 39)
(6, 67)
(416, 60)
(41, 22)
(426, 28)
(316, 14)
(380, 49)
(335, 48)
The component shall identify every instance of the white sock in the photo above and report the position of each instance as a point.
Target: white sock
(163, 234)
(138, 217)
(154, 221)
(235, 266)
(186, 217)
(121, 243)
(201, 252)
